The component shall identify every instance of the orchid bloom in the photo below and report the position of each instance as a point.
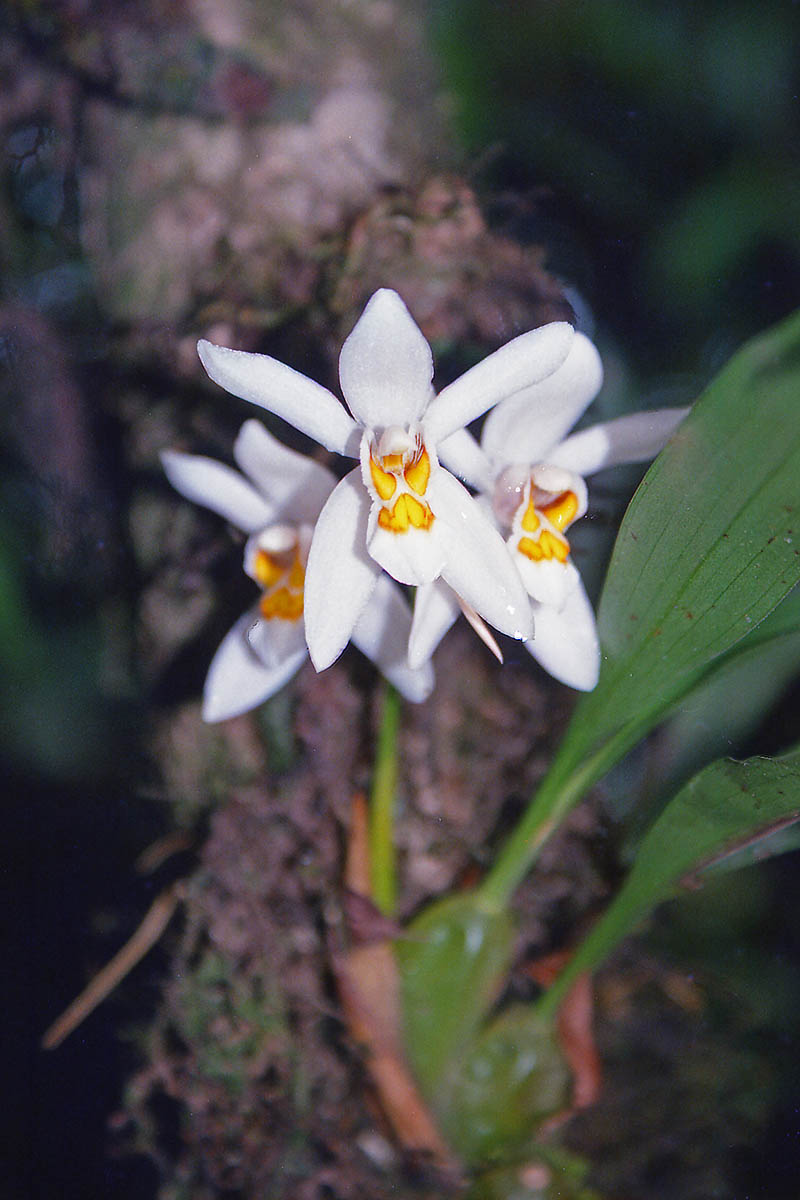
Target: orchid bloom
(276, 501)
(531, 476)
(399, 510)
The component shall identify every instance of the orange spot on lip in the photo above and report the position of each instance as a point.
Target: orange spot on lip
(283, 603)
(385, 483)
(418, 473)
(547, 546)
(267, 569)
(530, 521)
(561, 511)
(282, 579)
(407, 512)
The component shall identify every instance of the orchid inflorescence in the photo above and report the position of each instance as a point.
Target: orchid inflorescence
(328, 556)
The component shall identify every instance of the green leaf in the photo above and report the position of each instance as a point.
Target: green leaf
(718, 811)
(720, 713)
(453, 963)
(731, 702)
(711, 541)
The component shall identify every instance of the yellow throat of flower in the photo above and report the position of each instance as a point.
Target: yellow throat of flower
(282, 576)
(403, 480)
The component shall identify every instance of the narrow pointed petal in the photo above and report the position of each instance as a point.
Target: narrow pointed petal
(237, 679)
(220, 488)
(636, 438)
(478, 567)
(382, 633)
(340, 575)
(295, 485)
(462, 455)
(525, 427)
(386, 366)
(525, 360)
(272, 385)
(565, 642)
(436, 609)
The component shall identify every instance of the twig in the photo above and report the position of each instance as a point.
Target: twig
(149, 931)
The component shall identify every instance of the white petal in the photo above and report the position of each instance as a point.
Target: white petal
(436, 609)
(521, 362)
(386, 366)
(462, 455)
(296, 486)
(274, 640)
(414, 557)
(237, 680)
(220, 488)
(305, 404)
(628, 439)
(565, 643)
(547, 581)
(479, 567)
(382, 633)
(525, 427)
(340, 575)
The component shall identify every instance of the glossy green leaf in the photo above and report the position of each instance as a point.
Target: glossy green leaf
(719, 810)
(718, 715)
(512, 1079)
(453, 963)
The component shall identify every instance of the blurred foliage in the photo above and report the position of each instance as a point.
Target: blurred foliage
(659, 141)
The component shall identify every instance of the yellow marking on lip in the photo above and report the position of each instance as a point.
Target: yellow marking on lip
(406, 512)
(547, 546)
(530, 520)
(282, 580)
(393, 462)
(283, 603)
(418, 473)
(385, 483)
(266, 570)
(561, 511)
(297, 575)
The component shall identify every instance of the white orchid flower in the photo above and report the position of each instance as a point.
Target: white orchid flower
(276, 500)
(399, 510)
(531, 475)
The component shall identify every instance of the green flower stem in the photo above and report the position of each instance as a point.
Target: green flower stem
(383, 874)
(567, 782)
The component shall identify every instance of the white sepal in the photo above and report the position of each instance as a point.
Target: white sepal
(478, 566)
(436, 609)
(340, 575)
(237, 680)
(527, 425)
(521, 362)
(462, 455)
(272, 385)
(386, 366)
(565, 642)
(382, 633)
(295, 484)
(210, 483)
(635, 438)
